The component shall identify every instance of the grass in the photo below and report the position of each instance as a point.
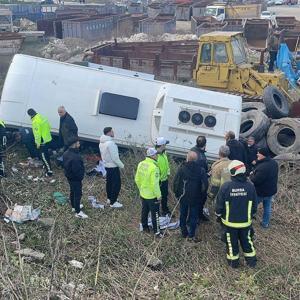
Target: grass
(114, 252)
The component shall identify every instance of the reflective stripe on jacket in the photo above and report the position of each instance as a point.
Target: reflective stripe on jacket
(163, 165)
(41, 129)
(236, 203)
(147, 179)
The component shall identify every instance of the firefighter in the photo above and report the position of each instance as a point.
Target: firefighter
(236, 204)
(2, 147)
(42, 137)
(219, 171)
(164, 171)
(147, 181)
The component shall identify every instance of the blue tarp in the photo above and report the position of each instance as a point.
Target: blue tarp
(284, 63)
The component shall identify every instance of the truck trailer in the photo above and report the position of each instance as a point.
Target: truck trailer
(138, 107)
(222, 11)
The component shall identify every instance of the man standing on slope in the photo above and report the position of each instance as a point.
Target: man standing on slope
(265, 178)
(110, 156)
(67, 127)
(164, 171)
(74, 171)
(189, 183)
(235, 206)
(237, 149)
(147, 181)
(202, 163)
(42, 136)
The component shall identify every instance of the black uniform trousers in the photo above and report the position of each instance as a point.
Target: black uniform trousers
(75, 194)
(113, 184)
(150, 205)
(45, 157)
(164, 189)
(244, 236)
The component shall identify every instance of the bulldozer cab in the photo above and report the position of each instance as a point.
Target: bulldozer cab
(219, 52)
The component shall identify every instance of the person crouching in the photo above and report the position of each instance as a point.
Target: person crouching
(74, 171)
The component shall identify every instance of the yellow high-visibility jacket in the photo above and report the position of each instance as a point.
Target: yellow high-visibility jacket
(147, 179)
(41, 129)
(163, 165)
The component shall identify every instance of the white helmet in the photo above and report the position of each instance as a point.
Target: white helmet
(236, 167)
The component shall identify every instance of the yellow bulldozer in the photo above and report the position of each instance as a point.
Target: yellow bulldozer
(222, 64)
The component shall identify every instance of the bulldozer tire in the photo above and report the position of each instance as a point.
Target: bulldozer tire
(276, 103)
(284, 136)
(254, 123)
(246, 106)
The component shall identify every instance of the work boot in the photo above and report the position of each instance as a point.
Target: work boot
(233, 263)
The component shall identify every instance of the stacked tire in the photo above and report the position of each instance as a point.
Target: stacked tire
(269, 124)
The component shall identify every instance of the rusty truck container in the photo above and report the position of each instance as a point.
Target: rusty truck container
(166, 60)
(243, 11)
(256, 32)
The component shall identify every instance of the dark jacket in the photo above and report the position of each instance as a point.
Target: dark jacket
(235, 199)
(252, 154)
(265, 177)
(202, 160)
(190, 182)
(73, 165)
(67, 129)
(237, 151)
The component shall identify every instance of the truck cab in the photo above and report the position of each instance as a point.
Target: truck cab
(217, 12)
(222, 64)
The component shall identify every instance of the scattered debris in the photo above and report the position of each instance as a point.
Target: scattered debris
(94, 203)
(164, 222)
(153, 262)
(64, 49)
(21, 237)
(15, 170)
(59, 198)
(20, 214)
(31, 253)
(76, 264)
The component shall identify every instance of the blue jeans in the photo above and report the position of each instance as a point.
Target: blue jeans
(267, 205)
